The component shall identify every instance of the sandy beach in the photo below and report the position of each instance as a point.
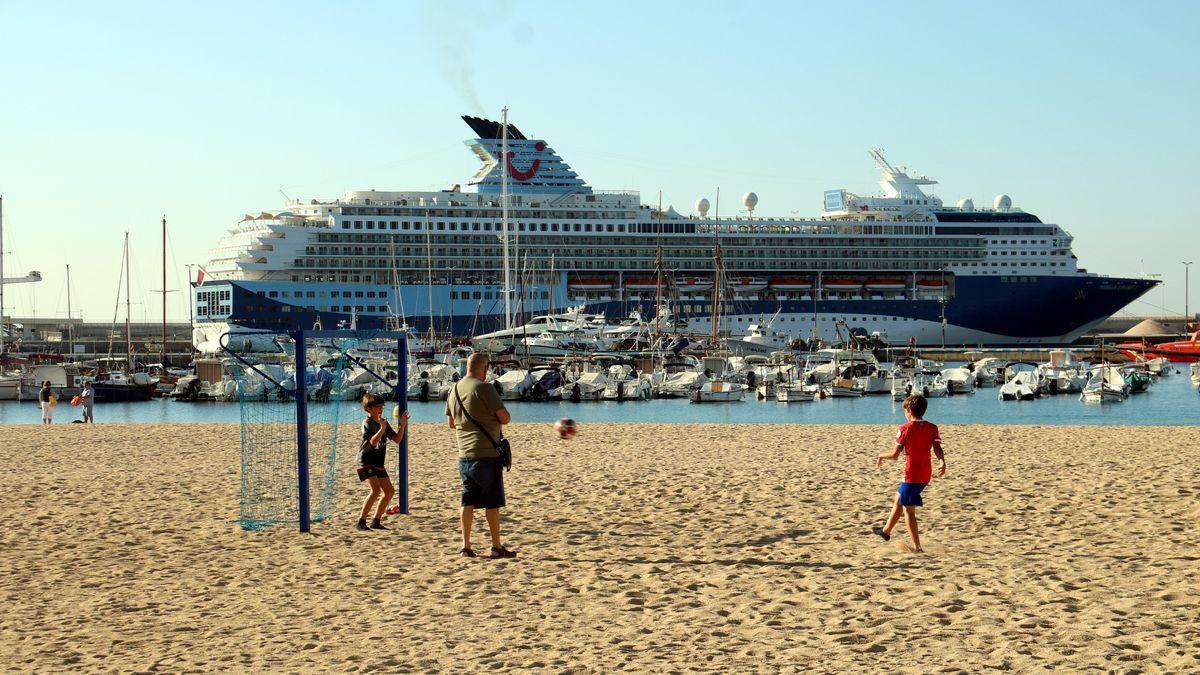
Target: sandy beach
(642, 547)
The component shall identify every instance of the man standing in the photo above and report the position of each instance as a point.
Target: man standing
(476, 413)
(88, 400)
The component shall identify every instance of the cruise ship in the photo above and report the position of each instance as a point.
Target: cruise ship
(526, 235)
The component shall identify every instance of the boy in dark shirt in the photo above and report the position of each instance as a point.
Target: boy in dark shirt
(916, 439)
(371, 454)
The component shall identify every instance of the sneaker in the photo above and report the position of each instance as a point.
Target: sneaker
(362, 526)
(376, 525)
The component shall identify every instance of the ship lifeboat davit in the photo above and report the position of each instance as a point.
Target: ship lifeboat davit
(641, 283)
(591, 285)
(746, 284)
(841, 284)
(885, 284)
(791, 283)
(693, 283)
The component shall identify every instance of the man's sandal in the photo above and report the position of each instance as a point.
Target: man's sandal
(501, 552)
(467, 553)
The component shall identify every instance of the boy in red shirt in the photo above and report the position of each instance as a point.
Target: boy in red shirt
(915, 438)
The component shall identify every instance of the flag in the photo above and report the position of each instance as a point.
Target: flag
(200, 276)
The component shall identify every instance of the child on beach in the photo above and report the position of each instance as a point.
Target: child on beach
(916, 438)
(376, 432)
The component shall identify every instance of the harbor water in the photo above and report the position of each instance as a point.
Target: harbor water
(1171, 401)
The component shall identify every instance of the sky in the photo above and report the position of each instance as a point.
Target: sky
(113, 115)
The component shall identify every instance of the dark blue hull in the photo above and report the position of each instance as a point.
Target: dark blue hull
(983, 310)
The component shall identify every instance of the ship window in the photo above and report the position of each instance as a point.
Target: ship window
(476, 295)
(554, 227)
(394, 224)
(358, 224)
(274, 294)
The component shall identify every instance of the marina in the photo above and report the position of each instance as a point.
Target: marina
(1173, 401)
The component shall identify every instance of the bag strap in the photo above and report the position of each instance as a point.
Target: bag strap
(478, 426)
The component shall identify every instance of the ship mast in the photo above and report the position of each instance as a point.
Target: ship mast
(504, 215)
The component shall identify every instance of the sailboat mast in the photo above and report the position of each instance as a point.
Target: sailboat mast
(70, 326)
(3, 325)
(658, 264)
(429, 274)
(128, 331)
(716, 311)
(504, 215)
(163, 358)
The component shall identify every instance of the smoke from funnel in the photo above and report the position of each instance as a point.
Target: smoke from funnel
(461, 76)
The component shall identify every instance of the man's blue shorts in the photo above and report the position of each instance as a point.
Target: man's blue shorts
(910, 494)
(482, 483)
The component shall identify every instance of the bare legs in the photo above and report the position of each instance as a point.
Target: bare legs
(376, 490)
(910, 513)
(467, 519)
(388, 491)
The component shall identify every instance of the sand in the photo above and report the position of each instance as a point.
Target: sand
(642, 547)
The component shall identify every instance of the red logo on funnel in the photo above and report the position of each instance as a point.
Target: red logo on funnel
(533, 168)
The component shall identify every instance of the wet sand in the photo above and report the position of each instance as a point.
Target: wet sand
(644, 547)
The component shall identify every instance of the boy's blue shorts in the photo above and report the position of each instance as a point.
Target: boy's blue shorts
(910, 494)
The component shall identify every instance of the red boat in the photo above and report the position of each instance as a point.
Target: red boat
(1180, 351)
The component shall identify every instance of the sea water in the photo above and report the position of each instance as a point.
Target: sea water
(1171, 401)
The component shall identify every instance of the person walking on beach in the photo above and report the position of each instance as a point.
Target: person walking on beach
(476, 413)
(46, 398)
(376, 432)
(915, 439)
(87, 398)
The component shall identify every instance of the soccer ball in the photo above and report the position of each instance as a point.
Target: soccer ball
(565, 427)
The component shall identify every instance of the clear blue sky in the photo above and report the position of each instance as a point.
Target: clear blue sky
(112, 114)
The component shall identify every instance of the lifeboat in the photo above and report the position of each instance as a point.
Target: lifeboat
(930, 284)
(591, 284)
(1181, 351)
(841, 284)
(693, 283)
(791, 284)
(641, 283)
(885, 285)
(745, 284)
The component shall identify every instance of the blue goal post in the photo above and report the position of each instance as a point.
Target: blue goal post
(299, 395)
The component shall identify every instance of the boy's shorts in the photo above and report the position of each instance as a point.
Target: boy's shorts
(482, 483)
(366, 472)
(910, 494)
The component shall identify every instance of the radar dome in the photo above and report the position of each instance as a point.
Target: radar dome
(750, 200)
(966, 204)
(1003, 202)
(702, 207)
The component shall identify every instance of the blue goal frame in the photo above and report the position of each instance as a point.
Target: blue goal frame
(300, 393)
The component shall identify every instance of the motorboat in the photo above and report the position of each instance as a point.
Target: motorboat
(513, 385)
(1105, 384)
(626, 384)
(1138, 376)
(570, 321)
(1063, 374)
(988, 371)
(588, 386)
(719, 391)
(760, 338)
(843, 387)
(825, 365)
(796, 392)
(428, 381)
(959, 380)
(1022, 385)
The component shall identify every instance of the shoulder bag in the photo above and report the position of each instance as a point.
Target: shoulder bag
(502, 446)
